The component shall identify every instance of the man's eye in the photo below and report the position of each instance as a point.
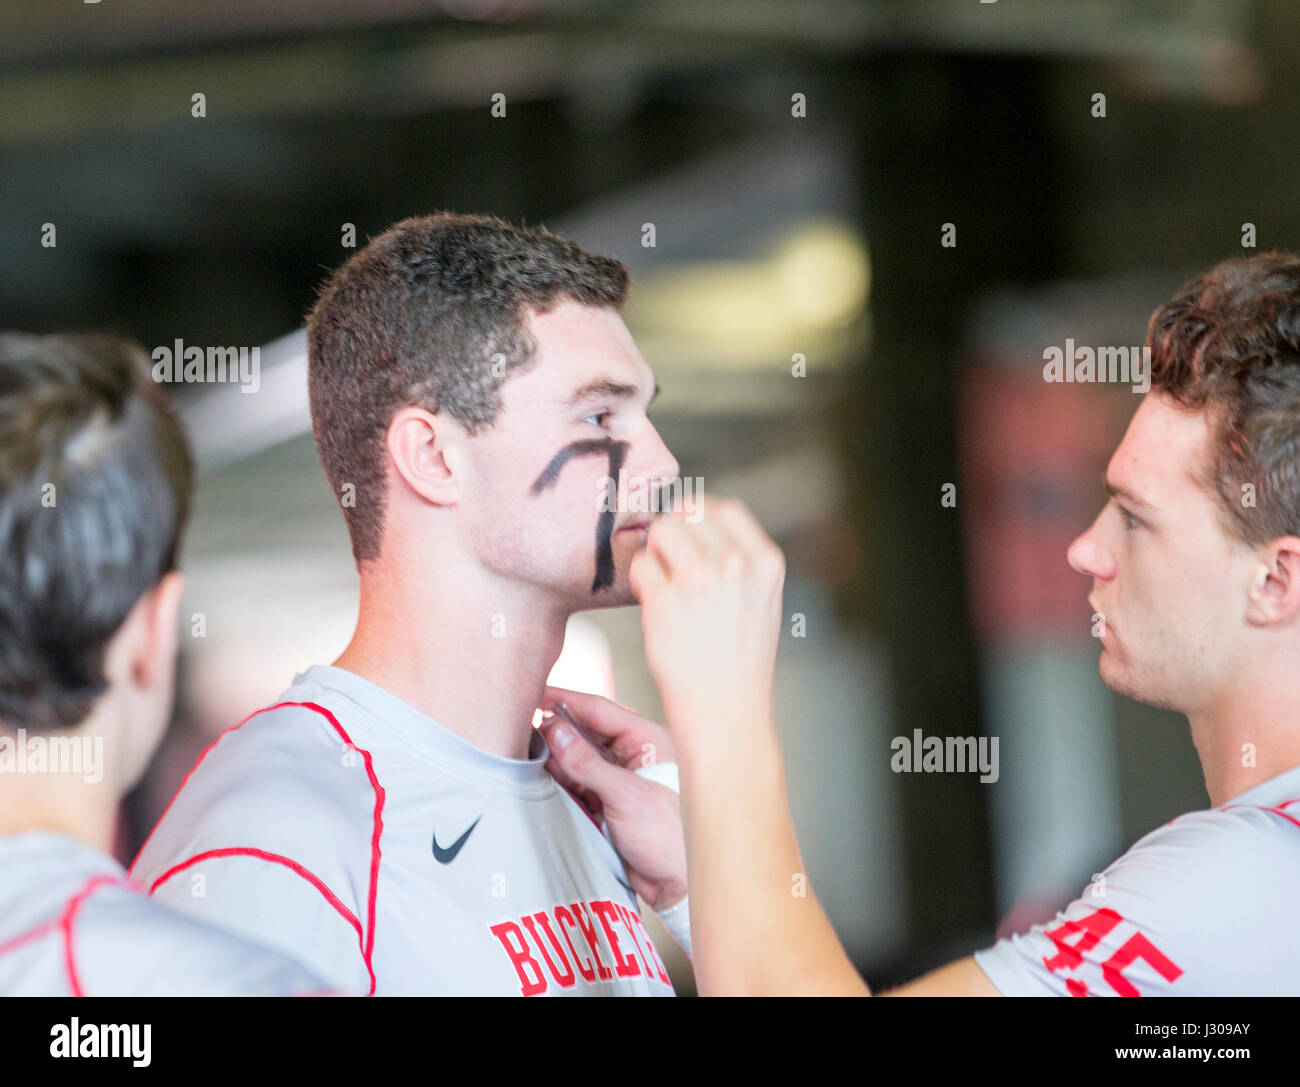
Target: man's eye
(1128, 520)
(595, 417)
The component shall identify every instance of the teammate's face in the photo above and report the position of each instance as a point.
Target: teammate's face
(1166, 577)
(540, 511)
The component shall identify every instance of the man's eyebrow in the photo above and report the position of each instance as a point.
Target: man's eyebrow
(604, 386)
(1117, 491)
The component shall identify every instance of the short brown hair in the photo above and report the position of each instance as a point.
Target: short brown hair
(1229, 343)
(95, 481)
(417, 317)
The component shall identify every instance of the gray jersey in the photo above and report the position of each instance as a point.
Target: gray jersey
(351, 831)
(72, 925)
(1204, 906)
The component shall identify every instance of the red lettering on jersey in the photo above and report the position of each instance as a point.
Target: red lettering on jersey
(644, 944)
(1092, 929)
(1136, 947)
(567, 980)
(565, 920)
(520, 958)
(589, 931)
(627, 965)
(660, 968)
(541, 931)
(625, 916)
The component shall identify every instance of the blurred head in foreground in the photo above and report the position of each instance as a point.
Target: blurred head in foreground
(95, 483)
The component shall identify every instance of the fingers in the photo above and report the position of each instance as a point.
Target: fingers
(580, 764)
(596, 712)
(631, 738)
(671, 543)
(647, 575)
(725, 527)
(588, 705)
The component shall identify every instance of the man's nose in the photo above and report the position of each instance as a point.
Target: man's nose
(652, 463)
(1090, 556)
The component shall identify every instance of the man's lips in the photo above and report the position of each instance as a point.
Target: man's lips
(641, 525)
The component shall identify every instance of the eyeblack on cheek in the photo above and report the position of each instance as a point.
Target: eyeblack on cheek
(615, 451)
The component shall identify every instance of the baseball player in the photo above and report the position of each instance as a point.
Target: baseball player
(480, 409)
(1195, 565)
(94, 488)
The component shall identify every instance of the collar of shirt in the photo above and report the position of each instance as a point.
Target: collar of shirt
(429, 740)
(1285, 786)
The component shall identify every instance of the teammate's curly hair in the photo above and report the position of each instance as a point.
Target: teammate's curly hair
(1228, 343)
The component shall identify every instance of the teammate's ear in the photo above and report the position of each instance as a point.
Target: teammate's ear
(1275, 584)
(153, 657)
(417, 444)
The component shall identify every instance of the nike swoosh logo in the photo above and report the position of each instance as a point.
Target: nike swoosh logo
(628, 886)
(446, 856)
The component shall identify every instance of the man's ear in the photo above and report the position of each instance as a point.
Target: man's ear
(153, 657)
(417, 444)
(1275, 584)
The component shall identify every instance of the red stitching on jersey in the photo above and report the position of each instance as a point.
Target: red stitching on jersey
(293, 866)
(274, 858)
(1276, 810)
(63, 923)
(367, 939)
(15, 942)
(186, 780)
(375, 834)
(66, 922)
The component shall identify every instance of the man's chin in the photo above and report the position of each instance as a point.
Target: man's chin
(617, 594)
(1122, 681)
(1114, 674)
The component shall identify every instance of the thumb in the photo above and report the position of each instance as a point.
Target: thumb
(583, 765)
(646, 575)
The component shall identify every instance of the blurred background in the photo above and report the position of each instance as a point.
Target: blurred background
(853, 229)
